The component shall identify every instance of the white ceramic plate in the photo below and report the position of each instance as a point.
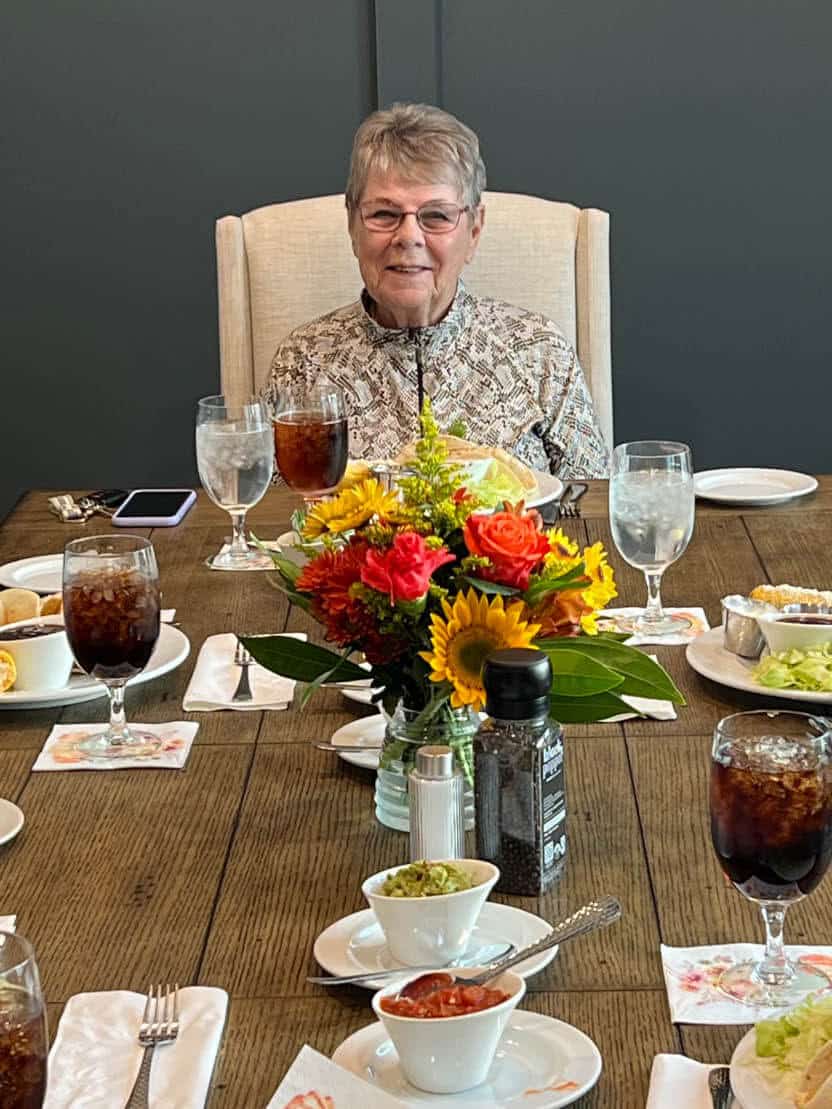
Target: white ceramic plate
(356, 943)
(43, 573)
(536, 1053)
(171, 649)
(708, 657)
(11, 820)
(746, 485)
(367, 732)
(756, 1082)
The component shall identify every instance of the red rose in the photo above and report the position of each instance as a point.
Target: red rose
(404, 570)
(512, 542)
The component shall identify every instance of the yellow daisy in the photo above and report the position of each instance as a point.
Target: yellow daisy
(472, 628)
(349, 510)
(602, 590)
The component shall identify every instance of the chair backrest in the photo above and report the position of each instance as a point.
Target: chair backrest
(283, 265)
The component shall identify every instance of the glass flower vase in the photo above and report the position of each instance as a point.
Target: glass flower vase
(407, 730)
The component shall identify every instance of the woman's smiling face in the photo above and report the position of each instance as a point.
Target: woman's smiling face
(412, 274)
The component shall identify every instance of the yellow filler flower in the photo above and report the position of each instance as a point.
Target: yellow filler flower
(349, 510)
(473, 627)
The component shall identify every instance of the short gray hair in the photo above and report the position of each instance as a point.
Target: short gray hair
(420, 142)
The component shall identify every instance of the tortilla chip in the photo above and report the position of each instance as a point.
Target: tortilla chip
(52, 605)
(20, 604)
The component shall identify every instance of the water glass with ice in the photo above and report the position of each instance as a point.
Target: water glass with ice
(235, 458)
(651, 514)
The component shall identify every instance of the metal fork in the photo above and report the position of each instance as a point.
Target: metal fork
(569, 506)
(160, 1025)
(243, 659)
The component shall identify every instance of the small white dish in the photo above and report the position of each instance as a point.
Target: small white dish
(44, 662)
(424, 930)
(11, 820)
(367, 731)
(171, 650)
(559, 1062)
(756, 1082)
(784, 631)
(750, 485)
(708, 656)
(41, 573)
(355, 944)
(448, 1055)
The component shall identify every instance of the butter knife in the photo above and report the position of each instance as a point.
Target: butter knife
(719, 1085)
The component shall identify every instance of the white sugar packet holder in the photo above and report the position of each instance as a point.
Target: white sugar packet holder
(215, 678)
(623, 619)
(61, 751)
(96, 1055)
(691, 976)
(312, 1078)
(677, 1082)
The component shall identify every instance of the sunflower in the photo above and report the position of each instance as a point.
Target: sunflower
(472, 628)
(563, 554)
(349, 510)
(597, 569)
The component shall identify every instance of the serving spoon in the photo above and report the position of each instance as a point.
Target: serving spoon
(597, 914)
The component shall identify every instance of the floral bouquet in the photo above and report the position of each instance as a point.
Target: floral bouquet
(424, 586)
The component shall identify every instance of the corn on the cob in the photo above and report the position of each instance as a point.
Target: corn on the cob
(782, 595)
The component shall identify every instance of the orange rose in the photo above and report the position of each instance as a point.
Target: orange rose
(511, 541)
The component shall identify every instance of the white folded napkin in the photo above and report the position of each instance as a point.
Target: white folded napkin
(60, 752)
(691, 977)
(621, 619)
(312, 1079)
(215, 678)
(8, 923)
(677, 1082)
(649, 706)
(96, 1055)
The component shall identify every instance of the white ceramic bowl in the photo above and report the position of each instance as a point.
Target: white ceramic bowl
(42, 663)
(781, 636)
(445, 1055)
(430, 930)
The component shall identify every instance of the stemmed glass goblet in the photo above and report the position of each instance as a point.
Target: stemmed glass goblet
(23, 1037)
(311, 437)
(771, 827)
(111, 614)
(651, 514)
(235, 458)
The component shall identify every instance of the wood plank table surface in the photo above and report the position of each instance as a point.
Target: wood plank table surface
(225, 872)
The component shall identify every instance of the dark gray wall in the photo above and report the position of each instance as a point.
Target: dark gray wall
(128, 128)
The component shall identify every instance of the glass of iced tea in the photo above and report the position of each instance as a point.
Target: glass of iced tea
(23, 1038)
(771, 826)
(311, 437)
(111, 614)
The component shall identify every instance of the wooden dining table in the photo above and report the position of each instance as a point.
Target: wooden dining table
(225, 872)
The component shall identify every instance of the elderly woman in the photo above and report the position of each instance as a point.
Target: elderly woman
(415, 217)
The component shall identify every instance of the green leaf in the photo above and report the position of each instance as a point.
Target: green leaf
(542, 587)
(642, 676)
(575, 674)
(303, 662)
(491, 586)
(582, 710)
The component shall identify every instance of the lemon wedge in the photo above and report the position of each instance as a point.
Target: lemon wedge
(8, 671)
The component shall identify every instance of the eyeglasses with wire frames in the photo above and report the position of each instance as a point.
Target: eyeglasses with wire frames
(437, 219)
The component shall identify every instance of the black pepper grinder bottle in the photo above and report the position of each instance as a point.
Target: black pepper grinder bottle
(518, 774)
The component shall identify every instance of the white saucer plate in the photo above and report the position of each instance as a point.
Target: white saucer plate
(756, 1082)
(171, 649)
(536, 1055)
(367, 732)
(746, 485)
(355, 944)
(11, 820)
(42, 573)
(708, 657)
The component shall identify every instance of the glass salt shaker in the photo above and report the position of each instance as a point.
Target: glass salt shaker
(518, 774)
(437, 809)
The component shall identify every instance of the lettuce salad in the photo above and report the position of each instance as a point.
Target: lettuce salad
(793, 1040)
(809, 670)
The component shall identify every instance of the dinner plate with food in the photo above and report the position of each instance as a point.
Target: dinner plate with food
(776, 642)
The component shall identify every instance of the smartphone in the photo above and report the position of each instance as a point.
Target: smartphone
(154, 508)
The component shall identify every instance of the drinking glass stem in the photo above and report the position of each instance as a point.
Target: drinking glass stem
(239, 543)
(653, 613)
(117, 733)
(775, 968)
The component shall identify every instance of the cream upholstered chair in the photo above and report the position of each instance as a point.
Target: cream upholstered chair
(280, 266)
